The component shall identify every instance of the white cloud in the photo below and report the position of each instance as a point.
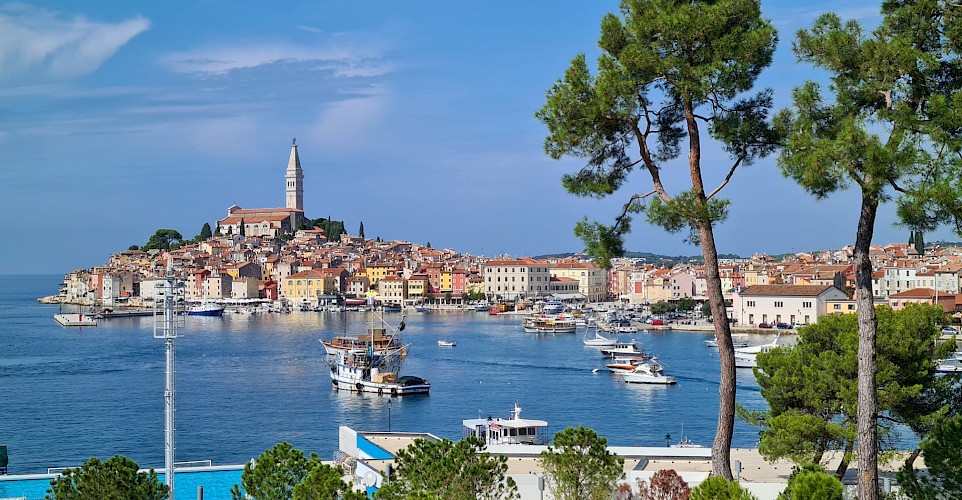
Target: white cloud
(37, 40)
(344, 58)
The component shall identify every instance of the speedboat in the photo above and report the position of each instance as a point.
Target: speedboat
(447, 343)
(745, 356)
(649, 372)
(738, 340)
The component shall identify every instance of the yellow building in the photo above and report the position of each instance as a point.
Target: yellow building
(307, 286)
(380, 270)
(419, 286)
(592, 280)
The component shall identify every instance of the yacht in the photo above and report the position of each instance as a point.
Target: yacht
(745, 356)
(649, 372)
(629, 348)
(514, 430)
(206, 309)
(738, 340)
(553, 307)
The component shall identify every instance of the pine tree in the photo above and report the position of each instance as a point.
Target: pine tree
(360, 231)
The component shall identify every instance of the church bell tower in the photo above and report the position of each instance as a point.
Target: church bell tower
(295, 179)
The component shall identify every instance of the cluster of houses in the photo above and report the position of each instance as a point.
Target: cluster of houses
(310, 270)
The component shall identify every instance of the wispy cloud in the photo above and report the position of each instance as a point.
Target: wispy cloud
(345, 59)
(51, 45)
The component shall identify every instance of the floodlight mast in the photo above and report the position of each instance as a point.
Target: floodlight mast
(169, 305)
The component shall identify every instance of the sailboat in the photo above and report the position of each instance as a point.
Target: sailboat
(597, 340)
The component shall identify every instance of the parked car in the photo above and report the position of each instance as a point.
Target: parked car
(782, 326)
(948, 330)
(764, 325)
(657, 322)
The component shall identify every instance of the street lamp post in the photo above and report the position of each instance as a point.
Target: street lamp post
(389, 415)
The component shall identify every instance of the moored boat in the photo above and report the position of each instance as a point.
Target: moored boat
(629, 348)
(950, 365)
(514, 430)
(738, 340)
(540, 323)
(597, 340)
(206, 309)
(649, 372)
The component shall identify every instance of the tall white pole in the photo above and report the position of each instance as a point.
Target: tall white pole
(166, 327)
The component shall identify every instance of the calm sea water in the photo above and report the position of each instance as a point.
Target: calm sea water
(245, 383)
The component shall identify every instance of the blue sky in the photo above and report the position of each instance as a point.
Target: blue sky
(417, 118)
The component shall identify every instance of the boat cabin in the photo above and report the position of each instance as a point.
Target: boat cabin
(514, 430)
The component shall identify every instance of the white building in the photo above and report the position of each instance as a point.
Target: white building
(517, 279)
(784, 303)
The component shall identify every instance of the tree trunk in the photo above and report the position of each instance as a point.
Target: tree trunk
(867, 400)
(722, 446)
(843, 464)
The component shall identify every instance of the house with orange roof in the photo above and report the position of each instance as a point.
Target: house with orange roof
(592, 280)
(392, 290)
(898, 301)
(514, 279)
(791, 304)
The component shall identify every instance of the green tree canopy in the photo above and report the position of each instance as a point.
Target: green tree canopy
(812, 392)
(115, 478)
(275, 474)
(448, 470)
(685, 304)
(578, 466)
(324, 482)
(811, 482)
(670, 72)
(162, 240)
(719, 488)
(360, 230)
(662, 307)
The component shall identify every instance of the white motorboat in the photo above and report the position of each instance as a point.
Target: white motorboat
(649, 372)
(553, 307)
(629, 365)
(447, 343)
(597, 340)
(629, 348)
(514, 430)
(546, 323)
(950, 365)
(745, 356)
(739, 340)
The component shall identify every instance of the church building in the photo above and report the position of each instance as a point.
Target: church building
(271, 222)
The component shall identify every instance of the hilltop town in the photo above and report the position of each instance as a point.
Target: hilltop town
(276, 255)
(311, 271)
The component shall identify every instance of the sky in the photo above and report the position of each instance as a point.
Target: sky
(118, 118)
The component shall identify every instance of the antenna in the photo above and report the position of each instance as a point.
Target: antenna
(169, 308)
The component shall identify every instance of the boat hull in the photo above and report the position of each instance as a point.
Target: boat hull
(642, 378)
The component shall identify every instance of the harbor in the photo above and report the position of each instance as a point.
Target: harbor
(247, 382)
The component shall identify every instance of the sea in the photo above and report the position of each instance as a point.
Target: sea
(247, 382)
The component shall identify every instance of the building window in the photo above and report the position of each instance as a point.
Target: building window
(779, 304)
(751, 303)
(806, 304)
(837, 307)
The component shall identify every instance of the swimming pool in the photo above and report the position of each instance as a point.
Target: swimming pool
(216, 480)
